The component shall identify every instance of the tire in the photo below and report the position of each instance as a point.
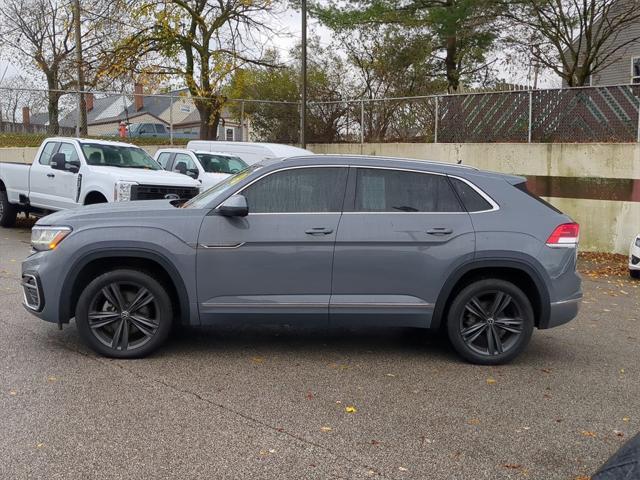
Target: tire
(634, 274)
(482, 336)
(8, 212)
(105, 308)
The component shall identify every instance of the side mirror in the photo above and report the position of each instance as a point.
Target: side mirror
(58, 161)
(73, 166)
(181, 167)
(234, 206)
(192, 172)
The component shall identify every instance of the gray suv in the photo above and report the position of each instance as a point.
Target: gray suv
(315, 241)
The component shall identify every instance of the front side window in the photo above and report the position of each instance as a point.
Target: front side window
(47, 153)
(380, 190)
(118, 156)
(213, 163)
(298, 190)
(69, 152)
(183, 163)
(160, 128)
(635, 70)
(163, 159)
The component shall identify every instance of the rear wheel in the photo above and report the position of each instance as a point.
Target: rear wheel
(8, 212)
(490, 322)
(124, 314)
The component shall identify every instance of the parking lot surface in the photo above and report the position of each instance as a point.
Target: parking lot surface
(283, 403)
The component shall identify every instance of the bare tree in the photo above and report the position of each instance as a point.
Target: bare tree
(17, 92)
(575, 39)
(200, 41)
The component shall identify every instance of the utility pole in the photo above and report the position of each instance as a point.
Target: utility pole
(303, 103)
(81, 128)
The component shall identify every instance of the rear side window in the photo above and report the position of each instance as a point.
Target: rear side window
(298, 190)
(471, 199)
(47, 153)
(160, 128)
(379, 190)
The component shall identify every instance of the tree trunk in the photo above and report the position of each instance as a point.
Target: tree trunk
(209, 118)
(54, 111)
(453, 75)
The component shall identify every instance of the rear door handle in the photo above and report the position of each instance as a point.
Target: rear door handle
(319, 231)
(440, 231)
(50, 175)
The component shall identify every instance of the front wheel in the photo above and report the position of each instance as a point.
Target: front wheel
(490, 322)
(8, 212)
(124, 314)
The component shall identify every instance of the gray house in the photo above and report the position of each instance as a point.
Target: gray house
(623, 65)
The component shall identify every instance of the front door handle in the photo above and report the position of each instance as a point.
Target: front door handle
(50, 175)
(440, 231)
(319, 231)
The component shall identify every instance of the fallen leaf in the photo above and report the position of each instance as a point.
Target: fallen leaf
(375, 442)
(473, 421)
(13, 393)
(626, 419)
(588, 433)
(491, 381)
(350, 409)
(257, 359)
(52, 379)
(618, 433)
(389, 375)
(546, 370)
(622, 370)
(326, 429)
(39, 445)
(514, 466)
(402, 469)
(582, 477)
(309, 395)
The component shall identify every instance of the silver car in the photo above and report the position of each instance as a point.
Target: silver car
(315, 241)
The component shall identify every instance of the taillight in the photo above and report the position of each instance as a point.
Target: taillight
(565, 235)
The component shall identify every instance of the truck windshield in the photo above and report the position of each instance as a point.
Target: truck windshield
(118, 156)
(204, 199)
(213, 163)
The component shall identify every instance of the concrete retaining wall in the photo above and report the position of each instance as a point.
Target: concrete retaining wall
(609, 217)
(597, 184)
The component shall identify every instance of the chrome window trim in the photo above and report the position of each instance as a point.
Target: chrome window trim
(36, 287)
(493, 203)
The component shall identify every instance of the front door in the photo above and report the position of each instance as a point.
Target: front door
(275, 264)
(66, 185)
(403, 235)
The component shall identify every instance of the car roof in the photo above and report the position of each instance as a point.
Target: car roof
(94, 141)
(277, 149)
(185, 150)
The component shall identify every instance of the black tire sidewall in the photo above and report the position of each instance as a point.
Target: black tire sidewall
(124, 275)
(9, 212)
(457, 308)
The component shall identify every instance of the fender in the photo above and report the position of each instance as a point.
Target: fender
(526, 264)
(86, 190)
(66, 291)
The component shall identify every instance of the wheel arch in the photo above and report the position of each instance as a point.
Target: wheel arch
(90, 264)
(525, 275)
(93, 195)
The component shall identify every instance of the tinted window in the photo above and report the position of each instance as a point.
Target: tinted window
(400, 191)
(47, 152)
(160, 128)
(118, 156)
(69, 152)
(163, 159)
(472, 200)
(298, 190)
(229, 135)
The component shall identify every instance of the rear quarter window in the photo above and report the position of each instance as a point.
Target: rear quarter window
(471, 199)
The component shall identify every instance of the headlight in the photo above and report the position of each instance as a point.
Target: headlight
(122, 191)
(48, 238)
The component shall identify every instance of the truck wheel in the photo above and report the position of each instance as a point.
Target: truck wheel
(8, 212)
(490, 322)
(124, 314)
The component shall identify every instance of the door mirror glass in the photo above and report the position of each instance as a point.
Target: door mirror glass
(58, 161)
(234, 206)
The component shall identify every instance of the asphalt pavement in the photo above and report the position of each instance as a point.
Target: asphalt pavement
(283, 403)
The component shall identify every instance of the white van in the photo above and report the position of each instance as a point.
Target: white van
(250, 152)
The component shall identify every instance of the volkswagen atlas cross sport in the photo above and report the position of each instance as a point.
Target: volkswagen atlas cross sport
(317, 241)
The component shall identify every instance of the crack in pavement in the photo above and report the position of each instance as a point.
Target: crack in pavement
(279, 431)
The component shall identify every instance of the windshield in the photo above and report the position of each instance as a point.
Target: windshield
(213, 163)
(204, 199)
(118, 156)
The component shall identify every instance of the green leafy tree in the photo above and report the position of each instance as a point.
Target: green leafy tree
(461, 32)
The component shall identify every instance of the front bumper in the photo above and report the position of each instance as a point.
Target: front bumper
(634, 261)
(41, 285)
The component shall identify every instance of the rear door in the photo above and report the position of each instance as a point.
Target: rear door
(275, 264)
(404, 234)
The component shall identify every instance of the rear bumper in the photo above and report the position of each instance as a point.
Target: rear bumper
(563, 311)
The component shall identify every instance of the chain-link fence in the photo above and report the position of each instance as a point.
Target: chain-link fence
(590, 114)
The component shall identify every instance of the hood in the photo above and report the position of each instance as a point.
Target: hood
(146, 177)
(101, 211)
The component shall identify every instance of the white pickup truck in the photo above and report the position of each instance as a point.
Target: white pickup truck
(70, 172)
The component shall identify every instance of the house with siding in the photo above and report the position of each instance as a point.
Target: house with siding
(623, 65)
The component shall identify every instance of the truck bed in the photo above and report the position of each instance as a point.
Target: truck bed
(15, 176)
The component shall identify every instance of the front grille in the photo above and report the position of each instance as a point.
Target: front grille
(31, 292)
(159, 192)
